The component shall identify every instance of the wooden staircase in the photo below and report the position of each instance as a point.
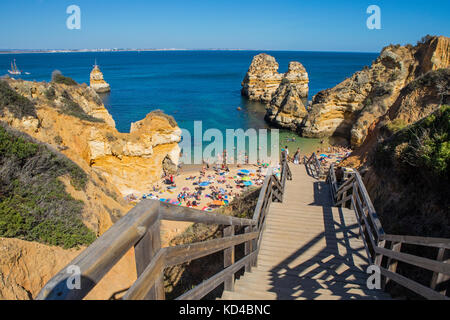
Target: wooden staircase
(309, 249)
(297, 245)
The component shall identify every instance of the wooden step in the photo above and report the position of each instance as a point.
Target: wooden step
(301, 287)
(358, 277)
(286, 294)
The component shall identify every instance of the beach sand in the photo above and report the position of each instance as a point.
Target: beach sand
(222, 184)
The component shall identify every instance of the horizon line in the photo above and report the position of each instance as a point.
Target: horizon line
(100, 50)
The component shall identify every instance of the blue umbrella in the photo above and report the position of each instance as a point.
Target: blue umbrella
(244, 171)
(204, 184)
(248, 183)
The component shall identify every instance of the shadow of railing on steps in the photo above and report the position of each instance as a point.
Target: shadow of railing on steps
(140, 229)
(385, 250)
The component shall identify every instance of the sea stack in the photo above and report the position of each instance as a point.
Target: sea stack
(283, 93)
(97, 81)
(262, 79)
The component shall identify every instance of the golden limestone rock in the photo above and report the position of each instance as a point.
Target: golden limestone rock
(73, 120)
(262, 79)
(286, 110)
(349, 109)
(97, 82)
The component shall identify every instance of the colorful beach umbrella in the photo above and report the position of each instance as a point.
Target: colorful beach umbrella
(246, 179)
(204, 184)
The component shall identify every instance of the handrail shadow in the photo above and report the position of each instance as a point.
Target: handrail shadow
(338, 267)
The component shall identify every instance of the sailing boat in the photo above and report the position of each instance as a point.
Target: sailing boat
(14, 70)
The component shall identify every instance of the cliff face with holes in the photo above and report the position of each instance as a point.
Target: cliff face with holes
(349, 109)
(74, 121)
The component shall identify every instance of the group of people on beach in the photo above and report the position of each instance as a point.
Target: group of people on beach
(295, 159)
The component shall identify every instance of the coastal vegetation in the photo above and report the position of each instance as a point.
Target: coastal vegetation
(417, 157)
(71, 108)
(18, 105)
(57, 77)
(34, 205)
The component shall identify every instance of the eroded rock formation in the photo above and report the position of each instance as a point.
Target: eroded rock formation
(73, 120)
(97, 82)
(262, 79)
(132, 161)
(350, 108)
(286, 110)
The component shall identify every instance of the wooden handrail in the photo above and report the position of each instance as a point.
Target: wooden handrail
(354, 193)
(313, 163)
(141, 228)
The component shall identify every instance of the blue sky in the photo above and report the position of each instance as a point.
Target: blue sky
(203, 24)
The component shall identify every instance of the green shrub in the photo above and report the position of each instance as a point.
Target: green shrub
(73, 109)
(427, 146)
(18, 105)
(34, 205)
(50, 93)
(57, 77)
(396, 125)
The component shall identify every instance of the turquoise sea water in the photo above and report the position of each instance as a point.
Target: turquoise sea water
(189, 85)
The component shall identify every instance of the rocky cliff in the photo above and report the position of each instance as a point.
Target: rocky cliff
(350, 108)
(286, 110)
(73, 120)
(262, 79)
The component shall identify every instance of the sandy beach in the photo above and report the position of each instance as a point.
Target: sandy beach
(205, 188)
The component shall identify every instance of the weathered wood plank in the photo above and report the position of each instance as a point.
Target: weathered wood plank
(392, 263)
(420, 241)
(177, 213)
(413, 286)
(144, 251)
(209, 285)
(372, 213)
(187, 252)
(425, 263)
(264, 189)
(141, 287)
(438, 279)
(228, 259)
(248, 248)
(97, 259)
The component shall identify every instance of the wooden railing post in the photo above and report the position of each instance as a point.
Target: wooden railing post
(144, 251)
(439, 278)
(248, 249)
(379, 257)
(392, 263)
(228, 259)
(255, 247)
